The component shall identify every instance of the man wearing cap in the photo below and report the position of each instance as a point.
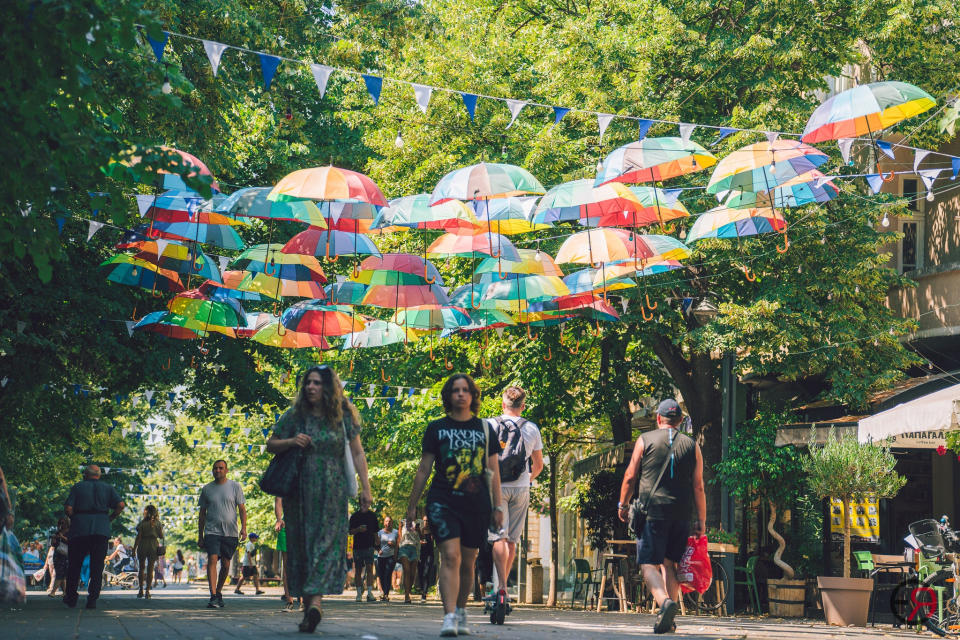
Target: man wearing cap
(250, 565)
(675, 459)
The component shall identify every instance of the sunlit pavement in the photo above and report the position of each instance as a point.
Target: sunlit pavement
(179, 612)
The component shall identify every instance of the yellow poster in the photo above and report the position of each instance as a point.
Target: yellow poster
(864, 519)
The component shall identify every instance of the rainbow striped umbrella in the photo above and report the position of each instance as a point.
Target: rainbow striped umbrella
(312, 316)
(654, 160)
(210, 314)
(179, 258)
(330, 243)
(252, 203)
(584, 281)
(346, 292)
(470, 296)
(486, 180)
(866, 110)
(131, 271)
(415, 212)
(397, 296)
(722, 222)
(167, 324)
(804, 189)
(507, 216)
(613, 272)
(580, 199)
(431, 317)
(532, 262)
(595, 246)
(378, 333)
(274, 335)
(467, 246)
(765, 165)
(529, 288)
(327, 184)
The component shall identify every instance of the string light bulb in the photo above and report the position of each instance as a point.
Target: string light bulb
(929, 196)
(166, 88)
(800, 269)
(683, 233)
(773, 169)
(856, 289)
(876, 342)
(823, 240)
(398, 143)
(886, 220)
(599, 166)
(537, 257)
(891, 331)
(830, 296)
(289, 114)
(503, 151)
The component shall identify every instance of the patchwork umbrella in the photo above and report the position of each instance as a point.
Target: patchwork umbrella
(489, 319)
(167, 324)
(412, 295)
(507, 216)
(529, 288)
(377, 334)
(654, 160)
(416, 212)
(658, 206)
(173, 180)
(252, 203)
(127, 270)
(585, 281)
(352, 217)
(330, 244)
(470, 296)
(491, 244)
(218, 290)
(579, 199)
(804, 189)
(312, 316)
(328, 184)
(208, 311)
(866, 110)
(532, 262)
(274, 335)
(176, 257)
(345, 293)
(273, 273)
(431, 317)
(486, 180)
(220, 235)
(398, 264)
(596, 246)
(722, 222)
(614, 272)
(255, 321)
(765, 165)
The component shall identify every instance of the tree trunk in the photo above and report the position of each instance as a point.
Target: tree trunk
(846, 537)
(781, 543)
(554, 534)
(614, 376)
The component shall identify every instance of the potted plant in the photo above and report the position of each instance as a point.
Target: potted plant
(755, 468)
(848, 470)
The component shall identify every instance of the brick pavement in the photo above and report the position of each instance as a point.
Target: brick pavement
(178, 612)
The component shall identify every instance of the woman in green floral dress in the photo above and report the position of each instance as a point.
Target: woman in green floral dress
(316, 519)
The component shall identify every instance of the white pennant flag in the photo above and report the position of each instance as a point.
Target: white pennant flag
(771, 136)
(370, 389)
(246, 431)
(515, 106)
(686, 130)
(4, 382)
(94, 227)
(722, 194)
(214, 52)
(822, 180)
(399, 391)
(928, 176)
(336, 210)
(123, 433)
(623, 303)
(223, 260)
(149, 395)
(321, 74)
(263, 448)
(232, 411)
(209, 430)
(422, 93)
(499, 335)
(341, 279)
(144, 203)
(169, 404)
(135, 400)
(130, 325)
(343, 384)
(161, 246)
(369, 402)
(845, 144)
(604, 119)
(917, 159)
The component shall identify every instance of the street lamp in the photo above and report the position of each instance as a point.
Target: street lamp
(706, 311)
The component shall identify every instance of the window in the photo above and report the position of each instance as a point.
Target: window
(910, 193)
(908, 247)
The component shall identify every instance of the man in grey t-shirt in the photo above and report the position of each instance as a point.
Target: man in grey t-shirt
(219, 502)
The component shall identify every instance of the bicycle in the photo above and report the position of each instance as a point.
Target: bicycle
(941, 545)
(124, 579)
(709, 601)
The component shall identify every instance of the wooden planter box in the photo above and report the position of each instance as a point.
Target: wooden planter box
(716, 547)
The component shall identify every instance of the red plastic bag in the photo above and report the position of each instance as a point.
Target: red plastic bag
(695, 572)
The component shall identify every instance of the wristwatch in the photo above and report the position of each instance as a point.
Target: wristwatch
(621, 506)
(498, 508)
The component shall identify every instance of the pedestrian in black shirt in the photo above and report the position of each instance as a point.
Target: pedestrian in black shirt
(363, 527)
(462, 449)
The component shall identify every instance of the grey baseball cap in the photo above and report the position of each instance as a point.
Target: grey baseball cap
(669, 409)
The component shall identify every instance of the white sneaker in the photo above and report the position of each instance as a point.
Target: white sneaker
(462, 628)
(449, 627)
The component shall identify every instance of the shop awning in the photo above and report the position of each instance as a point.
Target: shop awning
(603, 460)
(799, 434)
(934, 412)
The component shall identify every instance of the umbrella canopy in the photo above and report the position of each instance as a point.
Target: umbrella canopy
(467, 246)
(346, 292)
(274, 335)
(268, 258)
(507, 216)
(471, 297)
(654, 160)
(167, 324)
(488, 319)
(584, 281)
(377, 334)
(354, 217)
(804, 189)
(255, 321)
(865, 110)
(185, 200)
(486, 180)
(320, 243)
(312, 316)
(612, 273)
(252, 203)
(579, 199)
(209, 312)
(400, 263)
(597, 245)
(530, 288)
(217, 290)
(415, 212)
(396, 296)
(124, 269)
(178, 258)
(765, 165)
(275, 274)
(532, 262)
(199, 217)
(657, 206)
(584, 305)
(431, 317)
(197, 168)
(220, 235)
(328, 184)
(722, 222)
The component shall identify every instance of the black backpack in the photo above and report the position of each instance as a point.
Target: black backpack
(513, 457)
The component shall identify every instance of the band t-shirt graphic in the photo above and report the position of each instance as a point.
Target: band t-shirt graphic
(459, 449)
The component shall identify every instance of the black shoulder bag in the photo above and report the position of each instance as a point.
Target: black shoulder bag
(637, 517)
(282, 477)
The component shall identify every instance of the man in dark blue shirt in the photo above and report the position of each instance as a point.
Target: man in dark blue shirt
(92, 505)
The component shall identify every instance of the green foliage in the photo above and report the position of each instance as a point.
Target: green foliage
(723, 537)
(805, 551)
(596, 502)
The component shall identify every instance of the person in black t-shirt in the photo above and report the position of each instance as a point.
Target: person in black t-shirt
(363, 527)
(462, 448)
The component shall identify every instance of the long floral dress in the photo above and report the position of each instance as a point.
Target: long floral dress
(316, 520)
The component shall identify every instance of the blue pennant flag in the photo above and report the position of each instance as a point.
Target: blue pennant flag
(391, 402)
(875, 180)
(670, 196)
(266, 376)
(139, 436)
(955, 162)
(356, 389)
(159, 45)
(268, 64)
(266, 433)
(223, 445)
(249, 448)
(172, 396)
(60, 223)
(643, 128)
(85, 392)
(76, 389)
(246, 414)
(385, 390)
(153, 401)
(724, 132)
(226, 432)
(276, 417)
(887, 149)
(470, 102)
(374, 86)
(195, 443)
(411, 392)
(297, 381)
(117, 398)
(190, 430)
(558, 113)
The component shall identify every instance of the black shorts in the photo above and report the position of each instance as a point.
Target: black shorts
(663, 539)
(448, 523)
(221, 546)
(249, 572)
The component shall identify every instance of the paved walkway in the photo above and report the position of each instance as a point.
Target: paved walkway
(179, 613)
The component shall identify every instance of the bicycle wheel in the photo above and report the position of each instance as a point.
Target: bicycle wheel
(716, 594)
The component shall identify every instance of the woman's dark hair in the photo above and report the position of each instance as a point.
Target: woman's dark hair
(333, 404)
(180, 555)
(151, 514)
(446, 393)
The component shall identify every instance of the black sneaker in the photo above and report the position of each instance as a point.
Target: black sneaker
(213, 603)
(220, 600)
(665, 621)
(91, 604)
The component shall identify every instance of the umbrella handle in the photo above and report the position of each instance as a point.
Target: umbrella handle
(498, 254)
(576, 349)
(530, 336)
(599, 332)
(653, 306)
(258, 366)
(786, 244)
(281, 330)
(166, 368)
(473, 306)
(447, 363)
(486, 364)
(266, 269)
(432, 357)
(351, 364)
(643, 312)
(503, 276)
(562, 343)
(356, 271)
(596, 266)
(275, 314)
(384, 377)
(202, 350)
(193, 363)
(752, 277)
(890, 179)
(426, 275)
(195, 267)
(549, 356)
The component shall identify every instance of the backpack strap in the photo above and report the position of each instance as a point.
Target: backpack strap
(645, 504)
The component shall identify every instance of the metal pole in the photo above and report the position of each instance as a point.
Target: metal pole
(727, 503)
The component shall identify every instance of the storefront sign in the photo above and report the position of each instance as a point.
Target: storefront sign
(864, 519)
(917, 440)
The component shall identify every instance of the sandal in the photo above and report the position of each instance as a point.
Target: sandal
(311, 619)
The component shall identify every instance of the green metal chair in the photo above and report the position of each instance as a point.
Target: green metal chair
(864, 563)
(583, 577)
(750, 582)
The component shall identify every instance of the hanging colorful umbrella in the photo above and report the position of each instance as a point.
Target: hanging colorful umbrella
(209, 312)
(595, 246)
(178, 258)
(579, 199)
(173, 180)
(657, 206)
(529, 288)
(532, 262)
(583, 305)
(508, 216)
(311, 316)
(488, 319)
(167, 324)
(346, 292)
(765, 165)
(397, 296)
(722, 222)
(220, 235)
(252, 203)
(431, 317)
(613, 272)
(804, 189)
(274, 335)
(255, 321)
(401, 264)
(351, 217)
(124, 269)
(470, 296)
(218, 290)
(486, 180)
(276, 274)
(654, 160)
(467, 246)
(327, 184)
(584, 281)
(377, 334)
(415, 212)
(866, 110)
(330, 244)
(184, 200)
